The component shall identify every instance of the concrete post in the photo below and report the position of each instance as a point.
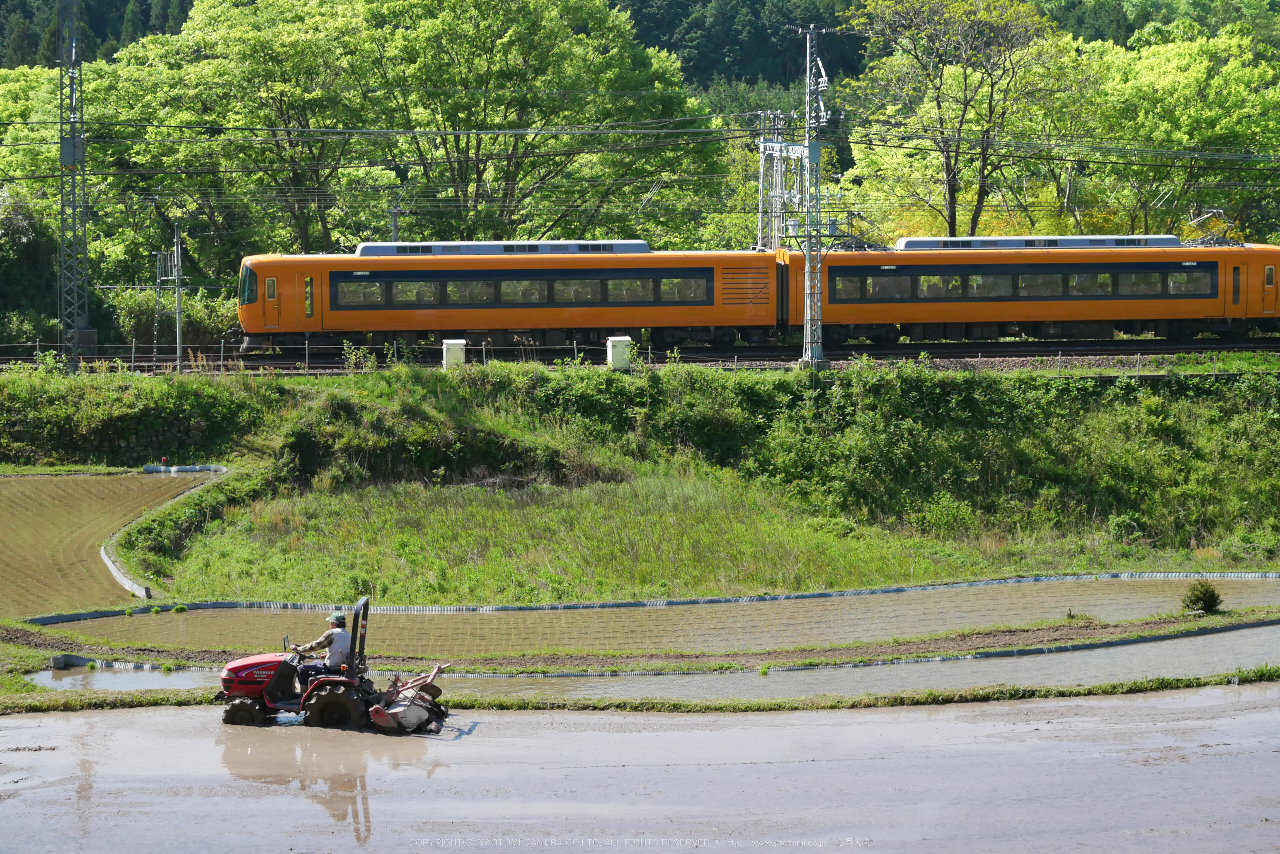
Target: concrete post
(455, 353)
(619, 353)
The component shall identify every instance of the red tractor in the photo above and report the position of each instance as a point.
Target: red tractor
(258, 687)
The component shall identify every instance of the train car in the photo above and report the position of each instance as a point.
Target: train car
(508, 294)
(1090, 287)
(553, 293)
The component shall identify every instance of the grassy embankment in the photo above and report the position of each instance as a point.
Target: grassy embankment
(675, 482)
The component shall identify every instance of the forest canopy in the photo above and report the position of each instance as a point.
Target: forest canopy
(301, 126)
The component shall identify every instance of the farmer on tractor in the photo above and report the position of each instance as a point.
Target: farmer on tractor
(336, 640)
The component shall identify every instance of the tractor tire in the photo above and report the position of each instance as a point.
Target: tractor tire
(243, 711)
(334, 707)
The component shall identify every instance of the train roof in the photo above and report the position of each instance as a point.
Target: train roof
(1038, 241)
(500, 247)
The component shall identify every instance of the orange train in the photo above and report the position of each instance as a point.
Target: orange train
(554, 293)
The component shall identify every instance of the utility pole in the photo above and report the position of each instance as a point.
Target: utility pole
(395, 212)
(815, 116)
(791, 181)
(73, 245)
(177, 289)
(169, 269)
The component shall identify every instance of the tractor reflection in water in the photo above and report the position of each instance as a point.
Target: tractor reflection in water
(325, 767)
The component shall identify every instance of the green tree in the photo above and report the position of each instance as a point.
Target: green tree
(1202, 96)
(949, 78)
(21, 46)
(474, 69)
(131, 28)
(155, 23)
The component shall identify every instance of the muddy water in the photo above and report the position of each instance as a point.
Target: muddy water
(1205, 655)
(112, 679)
(691, 628)
(1095, 774)
(51, 529)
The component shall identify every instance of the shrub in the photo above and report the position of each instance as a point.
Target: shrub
(179, 609)
(155, 609)
(1201, 596)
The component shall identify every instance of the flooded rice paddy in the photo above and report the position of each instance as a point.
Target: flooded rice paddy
(1204, 655)
(716, 628)
(51, 529)
(122, 679)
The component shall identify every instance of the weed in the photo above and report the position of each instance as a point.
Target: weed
(179, 609)
(1201, 595)
(155, 609)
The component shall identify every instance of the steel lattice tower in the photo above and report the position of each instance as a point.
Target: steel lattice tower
(73, 244)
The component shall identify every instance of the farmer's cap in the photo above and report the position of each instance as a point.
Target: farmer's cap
(338, 617)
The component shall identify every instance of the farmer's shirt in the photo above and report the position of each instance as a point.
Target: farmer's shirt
(337, 641)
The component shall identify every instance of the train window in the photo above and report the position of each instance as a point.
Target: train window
(1190, 283)
(888, 287)
(990, 285)
(630, 290)
(683, 290)
(1089, 284)
(308, 294)
(524, 291)
(1235, 285)
(940, 287)
(415, 293)
(1040, 284)
(271, 288)
(576, 290)
(469, 293)
(248, 285)
(848, 288)
(361, 293)
(1139, 284)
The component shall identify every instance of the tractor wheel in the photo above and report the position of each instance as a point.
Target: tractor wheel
(333, 707)
(243, 711)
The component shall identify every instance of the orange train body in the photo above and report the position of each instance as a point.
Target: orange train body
(540, 296)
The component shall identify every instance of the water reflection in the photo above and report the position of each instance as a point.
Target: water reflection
(330, 768)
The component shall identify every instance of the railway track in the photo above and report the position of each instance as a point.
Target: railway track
(331, 360)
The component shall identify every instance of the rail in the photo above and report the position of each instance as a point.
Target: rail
(1121, 356)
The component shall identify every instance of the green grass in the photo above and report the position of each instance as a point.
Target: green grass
(15, 663)
(661, 535)
(920, 476)
(80, 701)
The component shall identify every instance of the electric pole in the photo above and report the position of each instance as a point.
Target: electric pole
(791, 181)
(815, 116)
(73, 245)
(395, 212)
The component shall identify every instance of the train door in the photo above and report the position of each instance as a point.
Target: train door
(271, 304)
(1269, 290)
